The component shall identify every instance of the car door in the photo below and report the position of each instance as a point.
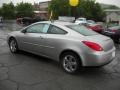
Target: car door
(33, 38)
(53, 41)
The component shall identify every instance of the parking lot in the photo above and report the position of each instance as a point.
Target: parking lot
(25, 71)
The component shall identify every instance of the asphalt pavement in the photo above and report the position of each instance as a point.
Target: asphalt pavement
(25, 71)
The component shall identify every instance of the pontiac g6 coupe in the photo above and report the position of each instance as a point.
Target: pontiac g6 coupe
(70, 44)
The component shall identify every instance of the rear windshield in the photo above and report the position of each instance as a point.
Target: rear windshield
(82, 30)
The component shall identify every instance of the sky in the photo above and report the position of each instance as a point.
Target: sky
(17, 1)
(113, 2)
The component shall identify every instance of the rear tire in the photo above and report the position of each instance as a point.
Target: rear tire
(13, 45)
(70, 62)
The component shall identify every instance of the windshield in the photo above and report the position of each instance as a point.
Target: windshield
(82, 30)
(90, 21)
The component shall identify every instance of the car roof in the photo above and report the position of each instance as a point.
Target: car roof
(62, 23)
(81, 18)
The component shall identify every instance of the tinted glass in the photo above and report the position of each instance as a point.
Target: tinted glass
(55, 30)
(82, 30)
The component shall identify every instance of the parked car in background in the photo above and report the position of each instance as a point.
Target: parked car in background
(113, 32)
(81, 21)
(90, 22)
(28, 20)
(70, 44)
(19, 20)
(96, 27)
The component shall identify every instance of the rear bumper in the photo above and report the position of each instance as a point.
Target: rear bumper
(99, 59)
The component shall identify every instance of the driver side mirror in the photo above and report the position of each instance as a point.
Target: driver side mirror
(23, 31)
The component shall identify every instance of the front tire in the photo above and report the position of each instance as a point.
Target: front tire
(70, 62)
(13, 45)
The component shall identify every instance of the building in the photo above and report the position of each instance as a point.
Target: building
(113, 15)
(41, 9)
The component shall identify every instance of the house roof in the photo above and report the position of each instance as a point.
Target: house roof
(112, 10)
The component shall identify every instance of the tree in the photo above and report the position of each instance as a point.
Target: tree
(86, 8)
(91, 10)
(59, 8)
(8, 11)
(24, 10)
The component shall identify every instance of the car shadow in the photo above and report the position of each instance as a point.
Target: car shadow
(83, 72)
(39, 58)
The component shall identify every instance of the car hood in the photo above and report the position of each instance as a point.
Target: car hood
(105, 42)
(14, 33)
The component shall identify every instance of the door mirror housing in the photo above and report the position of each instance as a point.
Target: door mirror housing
(23, 31)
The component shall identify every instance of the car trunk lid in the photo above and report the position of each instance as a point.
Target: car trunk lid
(105, 42)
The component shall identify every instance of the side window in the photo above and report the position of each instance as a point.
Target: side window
(38, 28)
(46, 27)
(55, 30)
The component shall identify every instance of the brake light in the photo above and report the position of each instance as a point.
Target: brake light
(93, 46)
(113, 30)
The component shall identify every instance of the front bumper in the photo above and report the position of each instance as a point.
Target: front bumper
(99, 58)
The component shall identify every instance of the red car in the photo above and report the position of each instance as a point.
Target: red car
(96, 27)
(113, 32)
(19, 20)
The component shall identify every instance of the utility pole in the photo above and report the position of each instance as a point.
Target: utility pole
(73, 4)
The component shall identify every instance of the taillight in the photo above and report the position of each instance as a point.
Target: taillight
(113, 30)
(93, 46)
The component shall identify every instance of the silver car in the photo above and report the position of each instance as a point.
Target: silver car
(73, 45)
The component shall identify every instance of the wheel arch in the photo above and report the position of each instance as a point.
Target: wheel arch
(69, 50)
(12, 37)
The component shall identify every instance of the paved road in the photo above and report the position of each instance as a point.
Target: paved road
(26, 71)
